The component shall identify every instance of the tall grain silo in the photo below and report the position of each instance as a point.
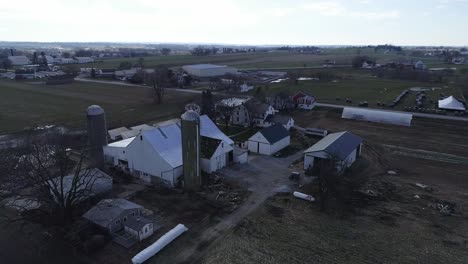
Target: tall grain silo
(97, 134)
(191, 150)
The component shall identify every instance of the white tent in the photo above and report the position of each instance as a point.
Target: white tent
(451, 103)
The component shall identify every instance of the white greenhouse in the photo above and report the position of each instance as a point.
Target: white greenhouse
(378, 116)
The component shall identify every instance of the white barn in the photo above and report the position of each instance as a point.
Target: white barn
(155, 155)
(208, 70)
(344, 146)
(269, 140)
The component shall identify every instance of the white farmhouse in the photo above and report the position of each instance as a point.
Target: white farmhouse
(269, 140)
(208, 70)
(345, 147)
(286, 120)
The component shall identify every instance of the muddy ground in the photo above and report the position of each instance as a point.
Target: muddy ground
(398, 222)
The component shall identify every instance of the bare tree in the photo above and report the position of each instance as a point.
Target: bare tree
(46, 176)
(158, 79)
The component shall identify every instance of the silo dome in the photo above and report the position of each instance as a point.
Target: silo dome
(190, 115)
(94, 110)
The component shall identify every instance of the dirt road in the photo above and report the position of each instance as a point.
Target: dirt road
(264, 176)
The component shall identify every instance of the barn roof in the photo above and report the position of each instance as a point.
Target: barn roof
(208, 147)
(167, 141)
(340, 144)
(117, 131)
(209, 129)
(19, 60)
(205, 66)
(278, 119)
(274, 133)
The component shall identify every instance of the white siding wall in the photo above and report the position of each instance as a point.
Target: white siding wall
(280, 145)
(142, 157)
(309, 159)
(258, 144)
(115, 153)
(243, 158)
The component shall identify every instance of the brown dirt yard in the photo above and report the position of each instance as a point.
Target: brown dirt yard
(399, 223)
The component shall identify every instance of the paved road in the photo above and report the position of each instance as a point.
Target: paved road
(293, 68)
(141, 86)
(263, 176)
(434, 116)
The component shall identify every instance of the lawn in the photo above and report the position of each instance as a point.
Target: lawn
(28, 105)
(361, 88)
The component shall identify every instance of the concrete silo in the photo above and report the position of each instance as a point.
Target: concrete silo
(97, 134)
(191, 150)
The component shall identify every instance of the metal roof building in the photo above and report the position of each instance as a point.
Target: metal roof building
(344, 146)
(208, 70)
(19, 60)
(269, 140)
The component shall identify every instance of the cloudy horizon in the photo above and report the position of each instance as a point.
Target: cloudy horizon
(301, 22)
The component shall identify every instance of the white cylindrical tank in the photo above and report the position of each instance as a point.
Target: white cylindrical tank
(304, 196)
(152, 250)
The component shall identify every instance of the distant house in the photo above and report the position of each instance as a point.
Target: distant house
(368, 65)
(259, 112)
(64, 60)
(244, 88)
(106, 72)
(208, 70)
(19, 60)
(82, 60)
(125, 74)
(345, 147)
(116, 133)
(236, 109)
(281, 101)
(286, 120)
(269, 140)
(304, 101)
(116, 215)
(419, 65)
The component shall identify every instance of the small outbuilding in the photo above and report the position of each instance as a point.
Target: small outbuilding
(343, 146)
(214, 154)
(269, 140)
(116, 134)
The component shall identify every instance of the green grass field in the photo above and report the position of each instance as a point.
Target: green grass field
(28, 105)
(361, 88)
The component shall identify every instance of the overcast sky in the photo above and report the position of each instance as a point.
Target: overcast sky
(302, 22)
